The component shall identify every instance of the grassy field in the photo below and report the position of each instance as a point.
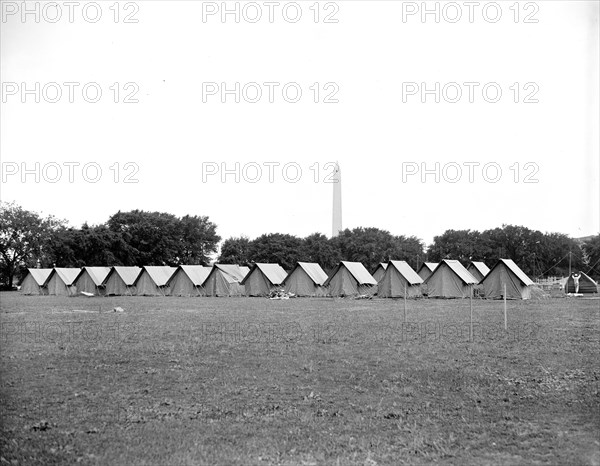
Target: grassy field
(303, 381)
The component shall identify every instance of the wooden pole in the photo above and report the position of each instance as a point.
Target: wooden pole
(405, 302)
(471, 306)
(505, 316)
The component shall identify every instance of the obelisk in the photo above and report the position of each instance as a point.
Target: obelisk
(337, 201)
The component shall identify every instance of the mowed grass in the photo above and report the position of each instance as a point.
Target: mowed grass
(301, 381)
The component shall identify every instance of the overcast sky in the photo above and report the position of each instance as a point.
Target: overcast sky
(369, 67)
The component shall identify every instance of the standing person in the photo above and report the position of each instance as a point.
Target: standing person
(576, 276)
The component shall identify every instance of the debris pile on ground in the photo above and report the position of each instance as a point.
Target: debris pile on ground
(40, 426)
(280, 294)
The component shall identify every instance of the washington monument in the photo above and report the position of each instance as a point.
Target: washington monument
(337, 201)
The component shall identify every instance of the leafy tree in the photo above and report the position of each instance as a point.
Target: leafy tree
(551, 255)
(158, 238)
(409, 249)
(591, 247)
(320, 249)
(367, 245)
(235, 251)
(462, 245)
(372, 246)
(150, 237)
(23, 235)
(536, 253)
(278, 248)
(77, 247)
(198, 240)
(513, 242)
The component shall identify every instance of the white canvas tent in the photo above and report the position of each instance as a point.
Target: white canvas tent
(506, 272)
(152, 280)
(478, 269)
(188, 279)
(350, 279)
(426, 269)
(120, 281)
(450, 279)
(399, 278)
(587, 285)
(379, 271)
(263, 278)
(34, 281)
(306, 279)
(225, 280)
(61, 280)
(91, 280)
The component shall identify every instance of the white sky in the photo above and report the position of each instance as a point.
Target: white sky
(368, 53)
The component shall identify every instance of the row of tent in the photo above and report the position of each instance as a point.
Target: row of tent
(395, 279)
(450, 279)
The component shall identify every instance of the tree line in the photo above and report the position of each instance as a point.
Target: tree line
(537, 254)
(156, 238)
(367, 245)
(127, 238)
